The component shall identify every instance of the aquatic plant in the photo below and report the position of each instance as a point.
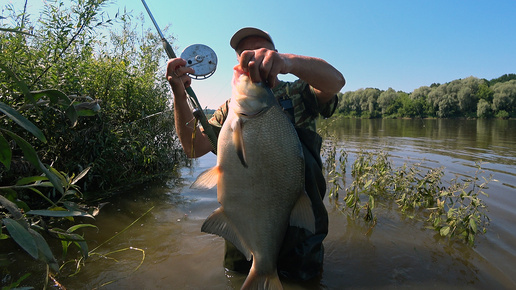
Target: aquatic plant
(455, 210)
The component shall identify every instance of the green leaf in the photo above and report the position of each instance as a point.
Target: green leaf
(23, 86)
(84, 248)
(22, 121)
(78, 240)
(64, 181)
(371, 201)
(11, 207)
(444, 231)
(79, 226)
(31, 179)
(81, 175)
(5, 152)
(368, 183)
(59, 213)
(473, 225)
(71, 113)
(32, 157)
(16, 31)
(28, 150)
(15, 285)
(55, 96)
(45, 254)
(22, 205)
(21, 236)
(42, 195)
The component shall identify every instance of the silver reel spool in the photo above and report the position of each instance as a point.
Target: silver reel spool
(202, 59)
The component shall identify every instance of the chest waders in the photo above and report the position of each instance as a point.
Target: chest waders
(301, 256)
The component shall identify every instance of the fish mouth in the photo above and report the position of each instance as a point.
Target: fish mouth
(238, 69)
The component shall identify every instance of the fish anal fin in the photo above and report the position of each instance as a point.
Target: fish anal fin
(256, 280)
(219, 224)
(207, 179)
(302, 214)
(238, 140)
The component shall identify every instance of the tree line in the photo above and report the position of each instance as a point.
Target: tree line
(470, 98)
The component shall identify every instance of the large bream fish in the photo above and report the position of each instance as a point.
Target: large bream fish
(260, 180)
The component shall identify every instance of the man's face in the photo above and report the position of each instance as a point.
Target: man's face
(253, 42)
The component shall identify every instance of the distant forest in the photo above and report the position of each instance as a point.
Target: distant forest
(470, 98)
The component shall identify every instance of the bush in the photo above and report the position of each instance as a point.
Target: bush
(127, 136)
(502, 114)
(132, 137)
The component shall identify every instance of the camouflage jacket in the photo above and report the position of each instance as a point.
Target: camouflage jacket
(297, 98)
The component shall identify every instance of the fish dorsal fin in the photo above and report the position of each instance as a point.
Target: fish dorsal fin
(302, 214)
(238, 140)
(207, 179)
(219, 224)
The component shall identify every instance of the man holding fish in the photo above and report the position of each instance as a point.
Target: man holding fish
(269, 171)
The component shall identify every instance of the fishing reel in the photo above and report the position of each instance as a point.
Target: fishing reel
(202, 59)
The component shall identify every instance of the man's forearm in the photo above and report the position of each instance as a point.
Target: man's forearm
(185, 125)
(318, 73)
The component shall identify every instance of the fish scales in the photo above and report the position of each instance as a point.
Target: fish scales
(260, 181)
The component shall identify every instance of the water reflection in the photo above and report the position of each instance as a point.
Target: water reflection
(489, 140)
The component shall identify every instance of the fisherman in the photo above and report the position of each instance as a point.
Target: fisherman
(313, 94)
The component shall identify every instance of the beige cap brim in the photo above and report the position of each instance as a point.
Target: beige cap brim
(246, 32)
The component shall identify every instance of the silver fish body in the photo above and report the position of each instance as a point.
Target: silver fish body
(260, 181)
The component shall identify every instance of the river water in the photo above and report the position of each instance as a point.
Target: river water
(397, 253)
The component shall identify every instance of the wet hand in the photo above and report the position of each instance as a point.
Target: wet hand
(263, 65)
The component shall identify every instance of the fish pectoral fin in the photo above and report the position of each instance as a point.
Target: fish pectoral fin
(219, 224)
(207, 179)
(302, 214)
(238, 140)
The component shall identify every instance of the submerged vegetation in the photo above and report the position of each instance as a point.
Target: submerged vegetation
(455, 210)
(82, 112)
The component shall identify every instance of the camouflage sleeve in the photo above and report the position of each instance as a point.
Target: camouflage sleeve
(219, 116)
(306, 105)
(327, 109)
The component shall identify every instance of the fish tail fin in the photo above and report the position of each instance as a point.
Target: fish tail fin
(256, 281)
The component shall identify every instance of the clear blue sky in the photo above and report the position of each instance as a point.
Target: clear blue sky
(377, 43)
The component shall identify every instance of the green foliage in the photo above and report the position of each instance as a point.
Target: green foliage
(502, 79)
(25, 226)
(458, 98)
(455, 211)
(116, 78)
(128, 140)
(483, 109)
(459, 210)
(335, 173)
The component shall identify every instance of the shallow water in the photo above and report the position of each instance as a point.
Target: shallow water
(396, 253)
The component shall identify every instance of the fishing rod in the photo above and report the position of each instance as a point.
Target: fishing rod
(204, 60)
